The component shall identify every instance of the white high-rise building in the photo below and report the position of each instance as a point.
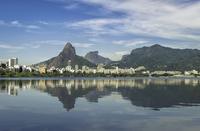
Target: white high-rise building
(76, 68)
(12, 62)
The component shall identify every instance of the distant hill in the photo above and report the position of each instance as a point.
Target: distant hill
(95, 58)
(62, 60)
(158, 57)
(155, 57)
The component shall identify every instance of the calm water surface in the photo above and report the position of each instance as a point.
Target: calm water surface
(131, 104)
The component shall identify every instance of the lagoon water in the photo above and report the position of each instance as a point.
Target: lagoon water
(100, 104)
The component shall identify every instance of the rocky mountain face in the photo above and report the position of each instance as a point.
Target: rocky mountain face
(157, 57)
(67, 54)
(95, 58)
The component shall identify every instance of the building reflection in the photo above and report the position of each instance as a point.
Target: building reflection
(152, 93)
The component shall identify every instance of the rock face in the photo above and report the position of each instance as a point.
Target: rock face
(95, 58)
(67, 54)
(157, 57)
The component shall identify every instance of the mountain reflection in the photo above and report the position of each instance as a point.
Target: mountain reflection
(153, 93)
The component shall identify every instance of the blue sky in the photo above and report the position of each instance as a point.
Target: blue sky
(35, 30)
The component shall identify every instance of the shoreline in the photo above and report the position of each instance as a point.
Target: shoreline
(91, 78)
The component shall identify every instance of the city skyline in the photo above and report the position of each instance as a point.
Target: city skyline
(39, 29)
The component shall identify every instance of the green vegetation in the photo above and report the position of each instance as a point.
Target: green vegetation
(157, 57)
(6, 73)
(159, 75)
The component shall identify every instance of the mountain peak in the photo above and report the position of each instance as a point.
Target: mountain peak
(68, 53)
(156, 46)
(68, 50)
(95, 58)
(68, 45)
(158, 57)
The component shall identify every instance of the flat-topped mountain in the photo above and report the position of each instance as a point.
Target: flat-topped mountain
(95, 58)
(157, 57)
(67, 54)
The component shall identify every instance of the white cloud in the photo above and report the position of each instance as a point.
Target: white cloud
(61, 43)
(18, 24)
(71, 6)
(12, 47)
(128, 43)
(121, 53)
(6, 46)
(51, 42)
(32, 27)
(94, 39)
(32, 45)
(97, 26)
(43, 22)
(117, 55)
(35, 46)
(82, 45)
(165, 19)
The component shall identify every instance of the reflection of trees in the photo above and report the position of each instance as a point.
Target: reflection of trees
(154, 93)
(162, 96)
